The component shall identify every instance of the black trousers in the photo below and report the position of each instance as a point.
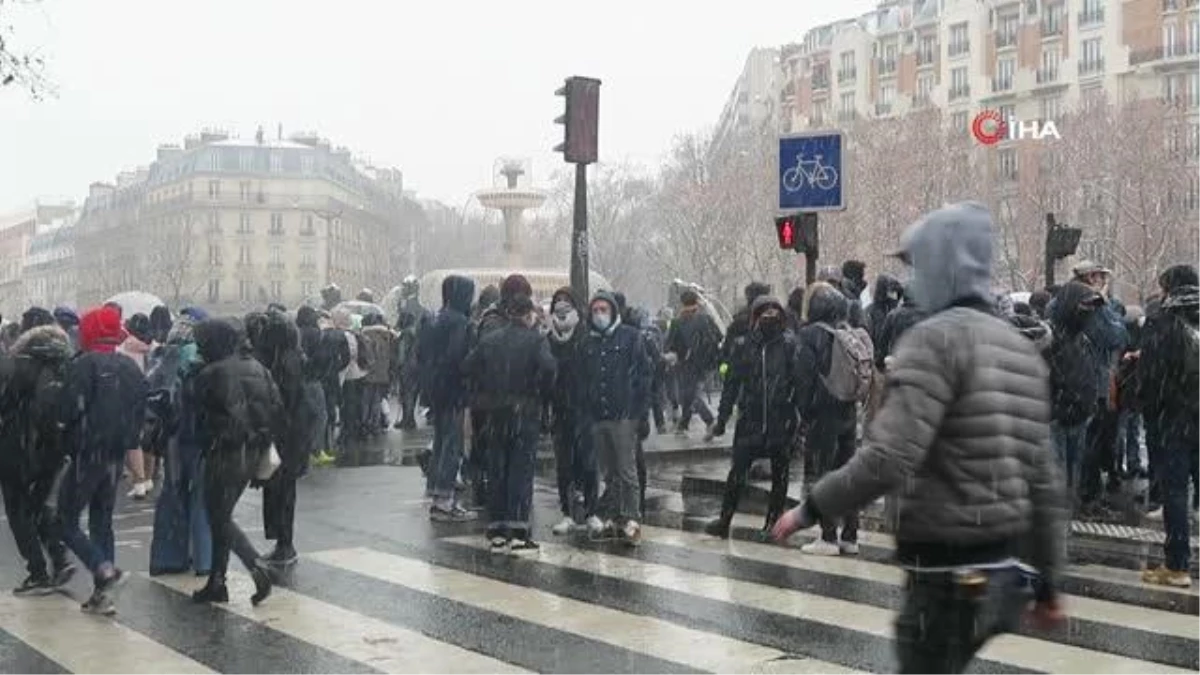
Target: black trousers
(744, 454)
(690, 399)
(227, 472)
(476, 468)
(409, 392)
(279, 506)
(1100, 454)
(34, 524)
(575, 465)
(830, 444)
(513, 436)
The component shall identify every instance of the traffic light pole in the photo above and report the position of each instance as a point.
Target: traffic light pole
(810, 268)
(579, 238)
(1048, 252)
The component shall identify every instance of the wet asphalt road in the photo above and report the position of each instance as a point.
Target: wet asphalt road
(380, 588)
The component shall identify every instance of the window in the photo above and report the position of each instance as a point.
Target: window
(276, 290)
(1050, 108)
(846, 67)
(244, 226)
(246, 160)
(960, 120)
(1169, 46)
(1007, 112)
(1005, 68)
(927, 50)
(307, 260)
(1006, 32)
(1193, 36)
(214, 290)
(1006, 162)
(1051, 57)
(214, 222)
(925, 85)
(1193, 194)
(276, 162)
(820, 111)
(306, 164)
(1093, 12)
(276, 223)
(245, 290)
(306, 288)
(958, 83)
(243, 255)
(887, 65)
(1193, 90)
(308, 228)
(960, 43)
(1052, 20)
(212, 161)
(276, 255)
(244, 190)
(847, 108)
(1173, 89)
(214, 255)
(214, 189)
(887, 94)
(1091, 57)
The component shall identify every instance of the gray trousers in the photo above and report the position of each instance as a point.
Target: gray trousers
(615, 446)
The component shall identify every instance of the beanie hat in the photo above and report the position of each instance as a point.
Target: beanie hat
(514, 285)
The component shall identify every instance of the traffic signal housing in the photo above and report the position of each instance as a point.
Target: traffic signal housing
(580, 120)
(798, 233)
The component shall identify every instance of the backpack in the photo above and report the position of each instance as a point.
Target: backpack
(364, 355)
(706, 353)
(1073, 386)
(851, 365)
(112, 408)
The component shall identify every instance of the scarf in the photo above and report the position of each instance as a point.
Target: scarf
(563, 322)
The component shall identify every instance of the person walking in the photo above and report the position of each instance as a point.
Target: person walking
(693, 347)
(965, 443)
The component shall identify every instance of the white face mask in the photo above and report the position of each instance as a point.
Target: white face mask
(601, 320)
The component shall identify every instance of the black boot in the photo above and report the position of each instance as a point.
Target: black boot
(213, 592)
(262, 585)
(284, 554)
(718, 528)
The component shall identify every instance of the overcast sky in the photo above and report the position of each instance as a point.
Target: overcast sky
(439, 89)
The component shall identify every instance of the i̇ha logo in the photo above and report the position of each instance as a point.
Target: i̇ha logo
(989, 128)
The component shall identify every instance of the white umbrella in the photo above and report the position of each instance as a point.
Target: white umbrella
(136, 302)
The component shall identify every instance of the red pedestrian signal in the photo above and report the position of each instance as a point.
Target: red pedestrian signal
(785, 227)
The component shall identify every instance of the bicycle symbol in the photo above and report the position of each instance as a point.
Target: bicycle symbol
(812, 172)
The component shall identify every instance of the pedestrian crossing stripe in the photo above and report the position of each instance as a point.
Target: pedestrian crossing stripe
(454, 607)
(375, 643)
(1016, 650)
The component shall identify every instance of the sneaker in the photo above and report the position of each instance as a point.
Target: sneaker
(323, 458)
(631, 533)
(454, 514)
(848, 547)
(282, 555)
(681, 433)
(1165, 577)
(1155, 513)
(594, 526)
(524, 546)
(821, 547)
(211, 594)
(138, 492)
(717, 528)
(99, 604)
(564, 526)
(262, 585)
(498, 545)
(33, 586)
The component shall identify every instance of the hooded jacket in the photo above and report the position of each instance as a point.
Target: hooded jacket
(887, 296)
(68, 320)
(1167, 366)
(963, 433)
(443, 347)
(696, 339)
(827, 306)
(762, 383)
(34, 317)
(615, 375)
(895, 325)
(238, 404)
(278, 349)
(30, 402)
(565, 350)
(100, 330)
(510, 367)
(1073, 387)
(738, 331)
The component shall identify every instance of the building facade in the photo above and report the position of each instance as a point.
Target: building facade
(233, 224)
(18, 232)
(49, 272)
(754, 101)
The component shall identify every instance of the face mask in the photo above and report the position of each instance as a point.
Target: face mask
(770, 326)
(564, 320)
(601, 321)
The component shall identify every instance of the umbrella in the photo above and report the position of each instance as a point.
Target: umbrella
(360, 308)
(136, 302)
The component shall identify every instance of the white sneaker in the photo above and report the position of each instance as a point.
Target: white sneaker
(564, 526)
(848, 547)
(138, 491)
(821, 547)
(594, 525)
(632, 533)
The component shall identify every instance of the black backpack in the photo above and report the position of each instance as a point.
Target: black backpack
(112, 404)
(1073, 386)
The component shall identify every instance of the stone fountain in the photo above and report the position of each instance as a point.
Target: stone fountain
(512, 200)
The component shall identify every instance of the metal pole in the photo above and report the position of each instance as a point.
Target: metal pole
(810, 268)
(579, 238)
(1049, 258)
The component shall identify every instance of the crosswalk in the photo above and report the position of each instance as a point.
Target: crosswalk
(682, 602)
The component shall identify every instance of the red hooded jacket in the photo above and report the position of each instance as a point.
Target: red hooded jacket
(100, 330)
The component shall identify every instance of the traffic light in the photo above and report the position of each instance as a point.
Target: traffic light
(798, 233)
(580, 119)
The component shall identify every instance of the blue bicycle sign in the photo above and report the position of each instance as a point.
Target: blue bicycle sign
(811, 176)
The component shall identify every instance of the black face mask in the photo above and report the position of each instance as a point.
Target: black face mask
(771, 326)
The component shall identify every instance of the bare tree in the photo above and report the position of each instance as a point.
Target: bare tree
(20, 67)
(172, 261)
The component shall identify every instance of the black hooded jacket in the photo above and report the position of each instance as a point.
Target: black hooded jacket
(566, 354)
(443, 347)
(615, 373)
(1073, 389)
(511, 366)
(829, 306)
(762, 383)
(30, 400)
(888, 293)
(899, 320)
(279, 350)
(239, 404)
(1168, 363)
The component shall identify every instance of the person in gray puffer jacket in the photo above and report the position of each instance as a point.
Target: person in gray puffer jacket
(963, 437)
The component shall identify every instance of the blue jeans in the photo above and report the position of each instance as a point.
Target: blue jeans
(91, 486)
(182, 537)
(1129, 438)
(447, 452)
(1069, 445)
(513, 435)
(1175, 464)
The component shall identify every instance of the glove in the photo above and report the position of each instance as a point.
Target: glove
(800, 518)
(724, 370)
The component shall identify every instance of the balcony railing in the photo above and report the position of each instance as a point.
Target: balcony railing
(847, 115)
(959, 48)
(1052, 25)
(1171, 5)
(1047, 75)
(1091, 67)
(1006, 38)
(308, 268)
(1170, 50)
(1089, 17)
(926, 56)
(887, 66)
(275, 266)
(960, 92)
(308, 232)
(882, 109)
(820, 82)
(847, 75)
(922, 100)
(1002, 84)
